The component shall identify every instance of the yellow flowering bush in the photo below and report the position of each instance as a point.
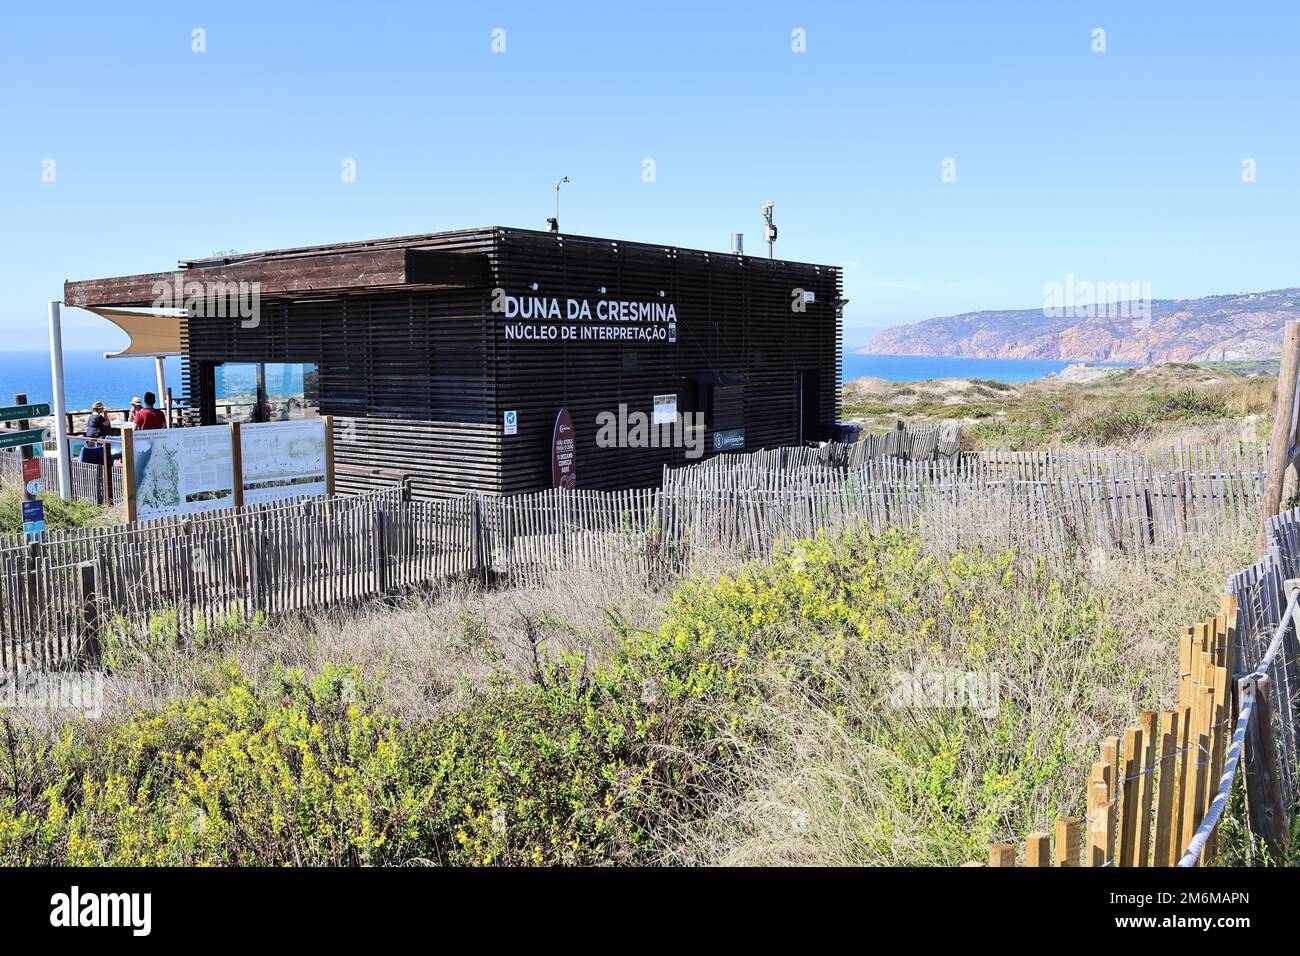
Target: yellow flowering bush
(592, 761)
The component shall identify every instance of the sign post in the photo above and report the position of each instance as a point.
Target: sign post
(128, 474)
(33, 508)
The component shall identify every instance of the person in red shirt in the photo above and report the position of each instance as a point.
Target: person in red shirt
(149, 417)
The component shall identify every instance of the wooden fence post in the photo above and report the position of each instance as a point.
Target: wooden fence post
(1146, 784)
(381, 554)
(1167, 795)
(478, 560)
(237, 464)
(1067, 842)
(1038, 850)
(91, 650)
(1280, 446)
(329, 455)
(106, 470)
(1099, 835)
(128, 474)
(1130, 834)
(1268, 818)
(1002, 854)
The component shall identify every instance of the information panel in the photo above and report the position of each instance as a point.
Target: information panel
(180, 471)
(283, 460)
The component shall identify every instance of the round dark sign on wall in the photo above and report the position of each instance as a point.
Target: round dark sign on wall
(564, 465)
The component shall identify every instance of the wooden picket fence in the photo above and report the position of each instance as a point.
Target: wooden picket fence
(307, 555)
(57, 595)
(1151, 787)
(1059, 500)
(87, 480)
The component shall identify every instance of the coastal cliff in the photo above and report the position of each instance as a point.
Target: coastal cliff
(1215, 328)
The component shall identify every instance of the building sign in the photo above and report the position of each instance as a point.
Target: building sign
(665, 410)
(536, 318)
(732, 439)
(282, 460)
(564, 466)
(512, 422)
(181, 471)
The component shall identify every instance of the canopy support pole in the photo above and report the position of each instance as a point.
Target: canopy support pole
(60, 406)
(162, 389)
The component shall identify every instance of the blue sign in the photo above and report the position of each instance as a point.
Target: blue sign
(33, 517)
(731, 439)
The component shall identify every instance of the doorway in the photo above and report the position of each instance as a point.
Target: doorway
(809, 406)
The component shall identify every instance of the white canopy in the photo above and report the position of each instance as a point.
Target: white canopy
(153, 332)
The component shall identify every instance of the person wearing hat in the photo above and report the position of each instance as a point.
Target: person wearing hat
(98, 425)
(147, 417)
(136, 405)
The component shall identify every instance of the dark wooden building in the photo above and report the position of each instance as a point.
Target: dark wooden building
(449, 355)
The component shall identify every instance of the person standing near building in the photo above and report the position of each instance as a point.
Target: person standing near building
(149, 417)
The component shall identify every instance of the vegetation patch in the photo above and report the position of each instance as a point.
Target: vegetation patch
(652, 753)
(1151, 405)
(58, 513)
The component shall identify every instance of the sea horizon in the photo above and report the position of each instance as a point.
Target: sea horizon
(919, 368)
(89, 377)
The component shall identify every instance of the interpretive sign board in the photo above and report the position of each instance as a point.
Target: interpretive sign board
(180, 471)
(282, 460)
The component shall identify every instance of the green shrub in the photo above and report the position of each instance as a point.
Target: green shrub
(1187, 403)
(58, 513)
(590, 762)
(308, 772)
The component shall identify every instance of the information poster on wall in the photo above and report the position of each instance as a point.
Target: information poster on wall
(665, 410)
(282, 460)
(180, 471)
(564, 463)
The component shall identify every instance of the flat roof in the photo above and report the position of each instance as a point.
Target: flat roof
(368, 265)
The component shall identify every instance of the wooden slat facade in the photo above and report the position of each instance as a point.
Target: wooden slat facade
(417, 370)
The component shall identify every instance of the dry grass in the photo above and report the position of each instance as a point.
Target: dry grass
(1142, 408)
(429, 648)
(852, 785)
(825, 782)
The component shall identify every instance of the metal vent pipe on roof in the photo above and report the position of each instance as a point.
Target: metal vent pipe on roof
(738, 243)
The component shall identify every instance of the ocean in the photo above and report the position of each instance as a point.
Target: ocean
(89, 377)
(916, 368)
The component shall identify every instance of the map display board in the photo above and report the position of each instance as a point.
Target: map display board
(283, 460)
(180, 471)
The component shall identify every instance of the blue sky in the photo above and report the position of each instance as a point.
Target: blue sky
(1117, 166)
